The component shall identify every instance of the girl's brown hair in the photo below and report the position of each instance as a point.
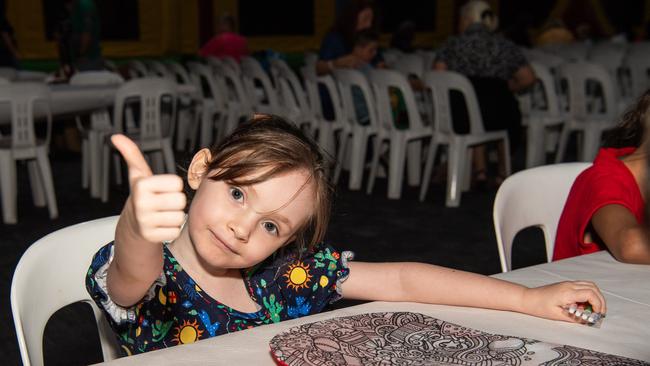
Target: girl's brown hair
(631, 129)
(271, 145)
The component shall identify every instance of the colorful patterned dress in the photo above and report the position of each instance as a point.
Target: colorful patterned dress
(177, 311)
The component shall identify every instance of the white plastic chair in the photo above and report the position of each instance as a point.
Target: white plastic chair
(532, 197)
(51, 275)
(311, 58)
(441, 83)
(348, 80)
(22, 100)
(239, 104)
(637, 62)
(611, 56)
(400, 140)
(189, 109)
(545, 112)
(92, 137)
(292, 94)
(586, 115)
(214, 105)
(326, 129)
(264, 97)
(156, 96)
(232, 63)
(391, 55)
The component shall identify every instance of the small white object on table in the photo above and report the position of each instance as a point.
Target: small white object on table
(624, 332)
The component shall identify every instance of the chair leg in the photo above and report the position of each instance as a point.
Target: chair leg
(181, 129)
(168, 156)
(591, 142)
(506, 156)
(414, 162)
(36, 183)
(564, 139)
(106, 182)
(340, 156)
(467, 169)
(207, 129)
(534, 143)
(376, 153)
(428, 169)
(396, 166)
(48, 183)
(157, 163)
(358, 159)
(85, 164)
(8, 189)
(117, 164)
(94, 160)
(454, 170)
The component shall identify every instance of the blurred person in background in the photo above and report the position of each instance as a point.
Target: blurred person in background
(227, 42)
(403, 37)
(85, 36)
(8, 47)
(497, 69)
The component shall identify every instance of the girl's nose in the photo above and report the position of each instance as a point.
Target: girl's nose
(241, 226)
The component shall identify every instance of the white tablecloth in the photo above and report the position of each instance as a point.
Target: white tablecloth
(625, 331)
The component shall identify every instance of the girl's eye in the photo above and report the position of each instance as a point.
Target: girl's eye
(271, 228)
(236, 194)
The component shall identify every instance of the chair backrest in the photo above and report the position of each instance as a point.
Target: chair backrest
(137, 69)
(410, 64)
(253, 74)
(96, 78)
(292, 93)
(236, 93)
(158, 68)
(348, 79)
(572, 52)
(391, 55)
(23, 98)
(209, 84)
(180, 72)
(384, 83)
(50, 275)
(8, 73)
(578, 75)
(532, 197)
(638, 63)
(441, 83)
(232, 63)
(153, 93)
(310, 59)
(311, 86)
(547, 87)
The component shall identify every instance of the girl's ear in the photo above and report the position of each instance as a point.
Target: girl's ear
(198, 168)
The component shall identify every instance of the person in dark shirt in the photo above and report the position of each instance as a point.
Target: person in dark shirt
(497, 68)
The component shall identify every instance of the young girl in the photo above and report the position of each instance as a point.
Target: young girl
(605, 208)
(248, 253)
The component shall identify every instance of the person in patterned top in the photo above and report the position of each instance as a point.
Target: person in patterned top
(249, 251)
(497, 68)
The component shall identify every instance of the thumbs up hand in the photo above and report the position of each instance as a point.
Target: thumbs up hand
(154, 211)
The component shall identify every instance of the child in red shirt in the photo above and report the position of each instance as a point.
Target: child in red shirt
(605, 208)
(227, 43)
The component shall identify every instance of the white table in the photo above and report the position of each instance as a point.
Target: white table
(625, 331)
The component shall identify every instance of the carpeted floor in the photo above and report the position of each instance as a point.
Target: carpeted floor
(375, 228)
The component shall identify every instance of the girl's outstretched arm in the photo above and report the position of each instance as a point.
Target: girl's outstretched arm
(153, 213)
(425, 283)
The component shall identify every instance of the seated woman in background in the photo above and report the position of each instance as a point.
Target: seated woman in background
(605, 209)
(497, 68)
(227, 43)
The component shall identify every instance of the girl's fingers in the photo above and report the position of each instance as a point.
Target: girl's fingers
(166, 202)
(162, 234)
(591, 296)
(160, 183)
(163, 219)
(586, 285)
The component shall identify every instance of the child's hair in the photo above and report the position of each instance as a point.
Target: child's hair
(364, 37)
(271, 145)
(631, 129)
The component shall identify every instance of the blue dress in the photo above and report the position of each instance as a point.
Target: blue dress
(176, 310)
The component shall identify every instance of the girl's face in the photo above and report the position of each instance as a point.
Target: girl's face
(364, 19)
(233, 226)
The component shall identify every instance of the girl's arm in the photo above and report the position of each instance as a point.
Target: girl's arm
(425, 283)
(626, 239)
(153, 213)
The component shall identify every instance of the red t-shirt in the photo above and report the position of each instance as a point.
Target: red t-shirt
(225, 44)
(607, 182)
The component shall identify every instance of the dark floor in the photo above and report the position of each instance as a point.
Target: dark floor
(375, 228)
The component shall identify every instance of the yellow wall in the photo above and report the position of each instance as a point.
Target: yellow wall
(166, 27)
